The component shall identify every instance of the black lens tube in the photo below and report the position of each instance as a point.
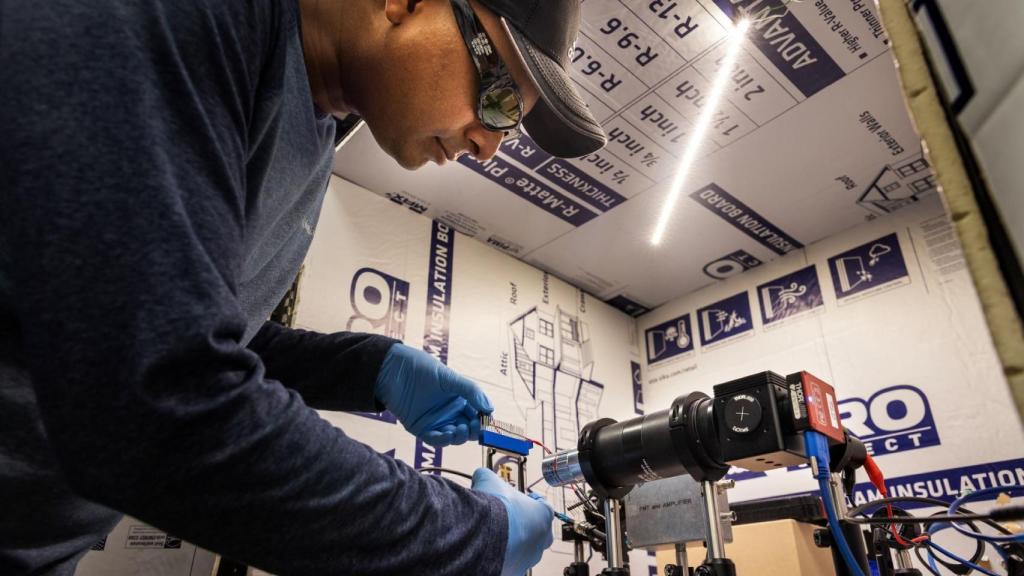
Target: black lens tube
(615, 456)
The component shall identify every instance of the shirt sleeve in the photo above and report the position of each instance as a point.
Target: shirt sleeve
(330, 371)
(123, 216)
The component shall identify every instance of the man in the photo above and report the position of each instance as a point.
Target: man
(162, 165)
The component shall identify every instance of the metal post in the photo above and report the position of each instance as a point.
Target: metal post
(577, 551)
(838, 495)
(904, 560)
(681, 558)
(716, 547)
(613, 531)
(852, 532)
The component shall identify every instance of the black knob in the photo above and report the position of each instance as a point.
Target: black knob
(742, 413)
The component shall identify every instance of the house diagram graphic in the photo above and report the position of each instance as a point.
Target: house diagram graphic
(553, 364)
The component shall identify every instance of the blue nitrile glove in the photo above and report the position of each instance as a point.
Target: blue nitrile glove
(431, 400)
(529, 522)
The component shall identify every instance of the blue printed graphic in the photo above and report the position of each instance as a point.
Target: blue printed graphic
(786, 43)
(439, 301)
(868, 266)
(385, 416)
(529, 188)
(745, 219)
(725, 319)
(669, 339)
(946, 485)
(638, 391)
(894, 419)
(792, 294)
(731, 264)
(427, 455)
(379, 303)
(439, 290)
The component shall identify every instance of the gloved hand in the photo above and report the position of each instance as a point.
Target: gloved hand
(529, 522)
(431, 400)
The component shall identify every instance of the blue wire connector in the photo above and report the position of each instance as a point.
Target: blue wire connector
(817, 450)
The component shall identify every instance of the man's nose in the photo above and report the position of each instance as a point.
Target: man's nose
(485, 142)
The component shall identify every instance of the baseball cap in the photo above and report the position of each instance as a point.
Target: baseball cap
(544, 33)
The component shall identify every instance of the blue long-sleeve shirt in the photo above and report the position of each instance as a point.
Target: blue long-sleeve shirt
(161, 168)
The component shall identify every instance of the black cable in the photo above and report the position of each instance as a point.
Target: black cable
(918, 520)
(967, 517)
(979, 550)
(859, 510)
(432, 469)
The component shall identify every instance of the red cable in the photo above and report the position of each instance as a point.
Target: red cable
(878, 479)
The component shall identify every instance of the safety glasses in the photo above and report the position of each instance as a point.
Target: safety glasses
(499, 106)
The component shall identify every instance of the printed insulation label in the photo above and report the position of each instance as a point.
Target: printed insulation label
(612, 172)
(638, 390)
(439, 291)
(670, 339)
(892, 419)
(525, 151)
(751, 88)
(725, 319)
(628, 40)
(379, 303)
(562, 174)
(869, 268)
(638, 151)
(573, 180)
(791, 295)
(731, 264)
(745, 219)
(662, 123)
(687, 27)
(427, 456)
(602, 76)
(687, 92)
(786, 43)
(529, 188)
(946, 485)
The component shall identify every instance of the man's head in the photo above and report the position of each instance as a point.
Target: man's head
(405, 66)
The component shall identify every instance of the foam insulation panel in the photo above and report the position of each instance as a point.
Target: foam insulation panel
(811, 138)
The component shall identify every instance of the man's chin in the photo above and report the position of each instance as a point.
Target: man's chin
(409, 163)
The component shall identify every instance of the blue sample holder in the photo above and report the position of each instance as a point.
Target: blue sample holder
(505, 443)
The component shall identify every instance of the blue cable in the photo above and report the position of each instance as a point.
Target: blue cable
(956, 558)
(939, 526)
(977, 496)
(817, 448)
(931, 561)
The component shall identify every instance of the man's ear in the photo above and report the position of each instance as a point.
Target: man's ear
(397, 11)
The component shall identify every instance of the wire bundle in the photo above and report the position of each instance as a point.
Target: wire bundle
(956, 517)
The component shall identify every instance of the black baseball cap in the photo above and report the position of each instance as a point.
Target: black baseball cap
(544, 32)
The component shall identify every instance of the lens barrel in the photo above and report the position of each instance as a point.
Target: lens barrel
(615, 456)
